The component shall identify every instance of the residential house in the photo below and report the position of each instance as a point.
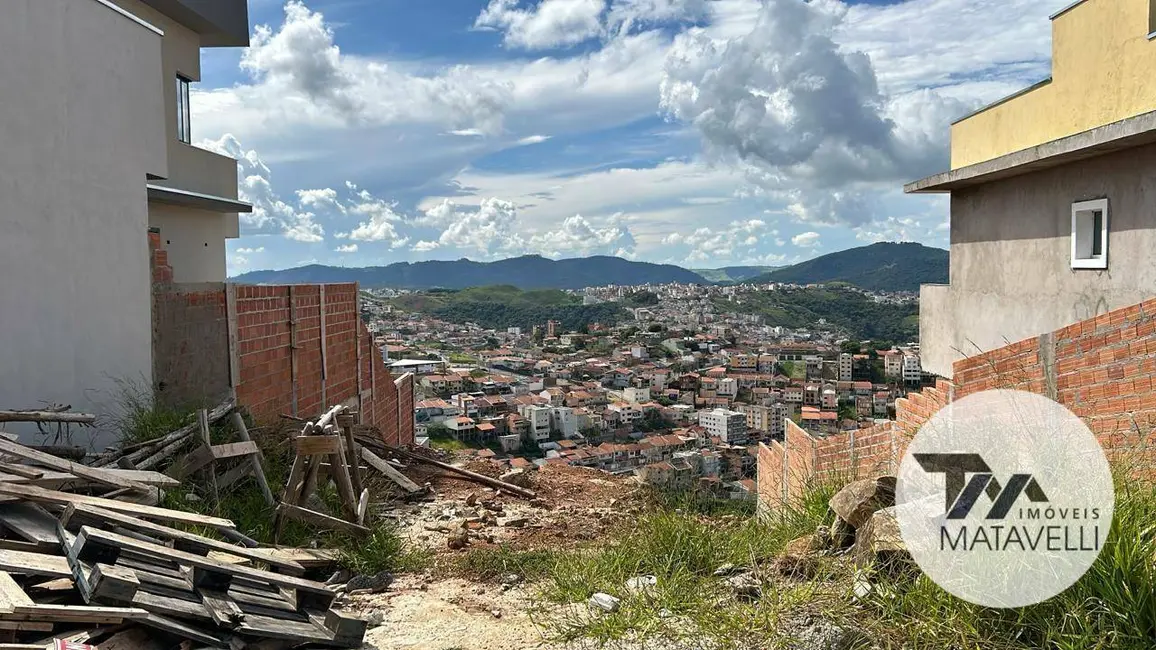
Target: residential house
(1051, 192)
(893, 364)
(728, 426)
(538, 419)
(846, 365)
(462, 427)
(98, 159)
(563, 421)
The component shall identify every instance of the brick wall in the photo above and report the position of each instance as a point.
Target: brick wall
(296, 349)
(1103, 369)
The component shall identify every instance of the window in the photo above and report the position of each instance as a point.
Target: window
(184, 126)
(1090, 234)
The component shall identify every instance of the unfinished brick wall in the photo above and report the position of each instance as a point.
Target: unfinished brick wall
(1103, 369)
(296, 349)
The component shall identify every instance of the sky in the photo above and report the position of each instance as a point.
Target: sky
(703, 133)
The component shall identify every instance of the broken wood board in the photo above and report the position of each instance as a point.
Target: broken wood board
(52, 462)
(34, 493)
(34, 564)
(52, 479)
(31, 523)
(78, 514)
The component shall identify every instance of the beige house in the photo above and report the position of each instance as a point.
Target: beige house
(1053, 192)
(95, 148)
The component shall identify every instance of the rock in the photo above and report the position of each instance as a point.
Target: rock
(458, 540)
(472, 499)
(745, 586)
(540, 503)
(727, 569)
(823, 536)
(605, 602)
(518, 477)
(512, 578)
(811, 633)
(861, 589)
(339, 577)
(514, 522)
(374, 583)
(496, 613)
(879, 543)
(857, 501)
(665, 613)
(192, 498)
(374, 617)
(798, 558)
(639, 584)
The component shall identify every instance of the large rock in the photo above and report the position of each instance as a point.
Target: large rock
(516, 476)
(856, 502)
(879, 543)
(798, 559)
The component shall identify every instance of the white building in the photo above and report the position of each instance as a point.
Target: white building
(538, 418)
(728, 426)
(636, 395)
(846, 363)
(893, 364)
(777, 426)
(564, 421)
(912, 371)
(727, 387)
(514, 331)
(96, 151)
(830, 399)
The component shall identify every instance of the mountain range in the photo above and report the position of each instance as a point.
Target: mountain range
(878, 267)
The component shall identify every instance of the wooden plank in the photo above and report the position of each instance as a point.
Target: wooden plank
(77, 613)
(52, 462)
(345, 423)
(34, 493)
(233, 449)
(47, 416)
(11, 595)
(206, 442)
(264, 627)
(30, 522)
(94, 543)
(310, 558)
(110, 584)
(377, 463)
(27, 547)
(182, 630)
(340, 471)
(224, 612)
(34, 564)
(317, 445)
(254, 460)
(320, 519)
(21, 470)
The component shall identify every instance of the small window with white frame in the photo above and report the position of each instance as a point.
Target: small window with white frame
(1090, 234)
(184, 123)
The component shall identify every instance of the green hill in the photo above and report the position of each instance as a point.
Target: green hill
(885, 266)
(502, 306)
(857, 314)
(734, 273)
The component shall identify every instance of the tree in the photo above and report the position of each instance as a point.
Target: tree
(851, 347)
(654, 329)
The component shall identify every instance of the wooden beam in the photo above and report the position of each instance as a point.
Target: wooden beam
(319, 519)
(254, 460)
(376, 462)
(317, 445)
(34, 564)
(52, 462)
(41, 495)
(78, 514)
(233, 449)
(47, 416)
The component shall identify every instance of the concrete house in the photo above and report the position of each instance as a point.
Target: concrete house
(96, 141)
(1053, 192)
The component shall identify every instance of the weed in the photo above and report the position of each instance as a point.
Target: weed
(141, 416)
(382, 550)
(491, 565)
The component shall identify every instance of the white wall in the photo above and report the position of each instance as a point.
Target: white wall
(81, 124)
(194, 239)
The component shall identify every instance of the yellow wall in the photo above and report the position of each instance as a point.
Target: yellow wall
(1103, 71)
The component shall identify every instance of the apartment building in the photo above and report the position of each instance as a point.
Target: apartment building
(1052, 192)
(96, 150)
(728, 426)
(846, 366)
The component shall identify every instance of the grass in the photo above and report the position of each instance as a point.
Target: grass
(682, 541)
(141, 416)
(492, 565)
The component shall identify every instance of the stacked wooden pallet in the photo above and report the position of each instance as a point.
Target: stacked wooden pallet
(83, 556)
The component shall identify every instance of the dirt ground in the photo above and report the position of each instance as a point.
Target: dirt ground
(573, 506)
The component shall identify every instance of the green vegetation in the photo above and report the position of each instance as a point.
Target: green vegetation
(884, 266)
(642, 299)
(502, 306)
(857, 314)
(141, 416)
(681, 542)
(733, 274)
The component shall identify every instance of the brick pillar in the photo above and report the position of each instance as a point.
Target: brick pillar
(162, 273)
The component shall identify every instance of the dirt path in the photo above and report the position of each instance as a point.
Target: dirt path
(450, 614)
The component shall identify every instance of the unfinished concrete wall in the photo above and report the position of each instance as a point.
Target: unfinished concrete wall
(191, 345)
(1011, 275)
(81, 127)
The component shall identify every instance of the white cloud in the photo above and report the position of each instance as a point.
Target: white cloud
(249, 251)
(254, 185)
(533, 139)
(425, 246)
(806, 239)
(320, 199)
(348, 248)
(380, 227)
(489, 229)
(577, 237)
(550, 24)
(627, 14)
(740, 240)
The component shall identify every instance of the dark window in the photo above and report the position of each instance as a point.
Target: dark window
(184, 126)
(1097, 233)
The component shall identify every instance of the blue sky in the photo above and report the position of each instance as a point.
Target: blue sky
(704, 133)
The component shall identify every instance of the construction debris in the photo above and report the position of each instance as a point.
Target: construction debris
(87, 556)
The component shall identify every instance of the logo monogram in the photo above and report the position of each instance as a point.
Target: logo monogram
(961, 493)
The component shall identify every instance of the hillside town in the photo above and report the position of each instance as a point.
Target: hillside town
(680, 394)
